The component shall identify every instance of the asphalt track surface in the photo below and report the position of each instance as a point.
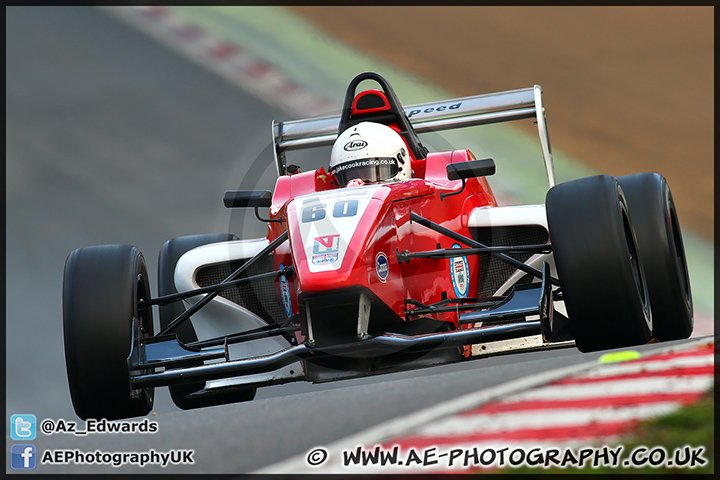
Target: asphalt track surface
(112, 138)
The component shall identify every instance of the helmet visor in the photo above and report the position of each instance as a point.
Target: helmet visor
(369, 170)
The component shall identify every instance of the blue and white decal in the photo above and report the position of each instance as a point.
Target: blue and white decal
(382, 267)
(459, 273)
(285, 293)
(325, 249)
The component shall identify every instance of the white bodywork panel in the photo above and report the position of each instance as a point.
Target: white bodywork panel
(222, 317)
(507, 216)
(516, 215)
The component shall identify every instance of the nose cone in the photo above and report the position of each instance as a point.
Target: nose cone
(328, 235)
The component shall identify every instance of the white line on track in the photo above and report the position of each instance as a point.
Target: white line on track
(616, 388)
(651, 366)
(537, 419)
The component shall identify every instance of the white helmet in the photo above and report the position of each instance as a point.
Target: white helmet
(371, 152)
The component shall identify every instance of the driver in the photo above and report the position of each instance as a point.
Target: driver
(371, 153)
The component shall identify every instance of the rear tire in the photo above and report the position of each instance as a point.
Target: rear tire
(102, 286)
(661, 252)
(595, 253)
(170, 253)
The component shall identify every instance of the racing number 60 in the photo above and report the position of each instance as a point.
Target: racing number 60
(313, 212)
(342, 208)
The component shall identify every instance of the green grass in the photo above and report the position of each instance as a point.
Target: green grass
(691, 426)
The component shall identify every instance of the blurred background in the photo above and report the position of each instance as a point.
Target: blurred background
(127, 124)
(626, 89)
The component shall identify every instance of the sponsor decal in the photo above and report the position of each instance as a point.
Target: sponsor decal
(326, 249)
(459, 273)
(368, 162)
(285, 293)
(382, 267)
(440, 108)
(354, 145)
(324, 259)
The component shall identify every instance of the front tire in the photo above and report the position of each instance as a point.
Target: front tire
(170, 253)
(103, 287)
(661, 252)
(601, 274)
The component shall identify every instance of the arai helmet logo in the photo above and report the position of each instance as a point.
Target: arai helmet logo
(382, 267)
(353, 145)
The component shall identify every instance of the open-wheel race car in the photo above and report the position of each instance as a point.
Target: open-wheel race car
(395, 258)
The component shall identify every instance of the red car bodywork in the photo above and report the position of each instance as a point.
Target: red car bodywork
(383, 228)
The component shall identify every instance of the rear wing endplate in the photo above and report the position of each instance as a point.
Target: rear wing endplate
(427, 117)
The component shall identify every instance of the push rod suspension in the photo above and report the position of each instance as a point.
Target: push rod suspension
(206, 299)
(455, 252)
(220, 287)
(469, 241)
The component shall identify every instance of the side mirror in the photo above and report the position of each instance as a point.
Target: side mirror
(475, 168)
(250, 198)
(247, 198)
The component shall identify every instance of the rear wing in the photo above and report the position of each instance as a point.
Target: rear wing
(427, 117)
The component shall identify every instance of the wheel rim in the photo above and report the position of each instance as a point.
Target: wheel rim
(635, 265)
(679, 252)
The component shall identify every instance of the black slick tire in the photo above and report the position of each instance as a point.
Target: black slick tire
(595, 254)
(102, 287)
(662, 253)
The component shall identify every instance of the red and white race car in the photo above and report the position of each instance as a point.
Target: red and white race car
(396, 258)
